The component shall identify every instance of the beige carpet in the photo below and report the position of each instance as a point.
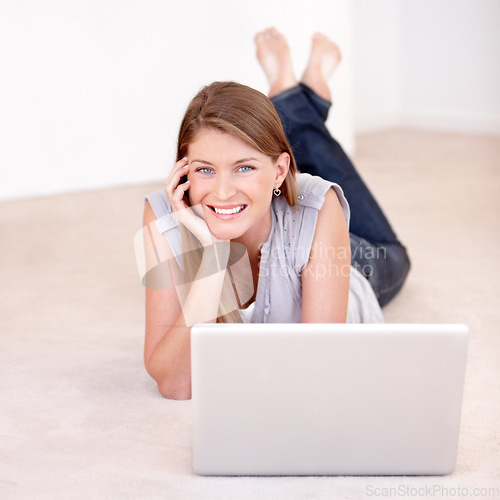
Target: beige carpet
(79, 417)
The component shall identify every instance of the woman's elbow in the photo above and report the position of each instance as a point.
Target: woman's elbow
(169, 385)
(177, 392)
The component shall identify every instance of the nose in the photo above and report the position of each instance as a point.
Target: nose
(225, 188)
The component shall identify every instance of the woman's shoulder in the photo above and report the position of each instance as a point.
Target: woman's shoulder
(159, 203)
(296, 226)
(162, 210)
(312, 189)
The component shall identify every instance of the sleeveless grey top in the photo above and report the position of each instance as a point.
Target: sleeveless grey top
(284, 255)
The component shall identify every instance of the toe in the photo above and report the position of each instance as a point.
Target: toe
(278, 34)
(259, 37)
(319, 36)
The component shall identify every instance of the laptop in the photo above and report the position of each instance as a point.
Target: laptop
(327, 399)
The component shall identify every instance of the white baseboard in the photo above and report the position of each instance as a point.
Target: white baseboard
(456, 122)
(459, 122)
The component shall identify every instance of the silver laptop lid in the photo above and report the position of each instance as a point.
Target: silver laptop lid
(326, 399)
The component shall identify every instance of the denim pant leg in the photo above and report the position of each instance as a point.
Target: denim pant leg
(384, 265)
(375, 249)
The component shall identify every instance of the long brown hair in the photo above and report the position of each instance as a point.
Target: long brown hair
(249, 115)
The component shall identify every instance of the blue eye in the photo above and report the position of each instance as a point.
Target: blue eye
(246, 168)
(204, 170)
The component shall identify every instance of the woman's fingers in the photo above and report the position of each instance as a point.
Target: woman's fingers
(191, 218)
(180, 169)
(179, 191)
(172, 183)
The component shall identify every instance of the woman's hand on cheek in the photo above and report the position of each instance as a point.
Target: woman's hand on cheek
(174, 188)
(185, 214)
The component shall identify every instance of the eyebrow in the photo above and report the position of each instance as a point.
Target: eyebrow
(243, 160)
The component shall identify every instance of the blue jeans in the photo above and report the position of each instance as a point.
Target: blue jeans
(375, 249)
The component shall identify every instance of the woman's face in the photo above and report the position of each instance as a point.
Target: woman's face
(233, 183)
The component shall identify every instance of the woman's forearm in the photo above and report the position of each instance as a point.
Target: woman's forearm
(170, 362)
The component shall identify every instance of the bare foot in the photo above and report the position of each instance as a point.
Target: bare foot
(273, 54)
(323, 60)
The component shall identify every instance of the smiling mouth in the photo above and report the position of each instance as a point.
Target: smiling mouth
(228, 211)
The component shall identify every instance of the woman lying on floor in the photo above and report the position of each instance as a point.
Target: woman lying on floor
(244, 236)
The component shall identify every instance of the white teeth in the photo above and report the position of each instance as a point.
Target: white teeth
(225, 211)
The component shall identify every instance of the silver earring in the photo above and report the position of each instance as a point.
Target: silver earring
(277, 191)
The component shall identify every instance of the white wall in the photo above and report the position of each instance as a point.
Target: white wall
(376, 68)
(427, 63)
(450, 71)
(92, 92)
